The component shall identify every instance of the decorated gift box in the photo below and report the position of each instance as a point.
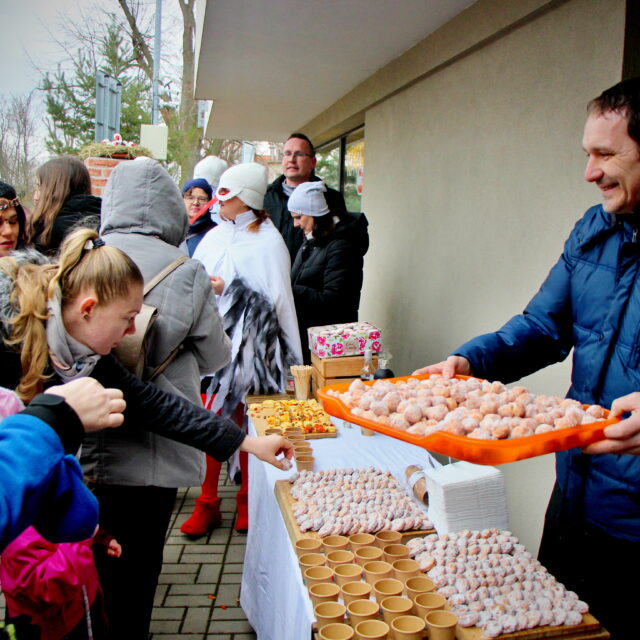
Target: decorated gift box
(350, 339)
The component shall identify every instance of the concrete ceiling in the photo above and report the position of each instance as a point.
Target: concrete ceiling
(272, 65)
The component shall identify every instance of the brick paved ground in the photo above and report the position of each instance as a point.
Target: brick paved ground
(194, 570)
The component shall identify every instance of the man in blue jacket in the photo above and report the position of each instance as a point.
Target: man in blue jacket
(590, 302)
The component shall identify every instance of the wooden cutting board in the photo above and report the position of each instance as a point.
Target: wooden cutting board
(261, 425)
(589, 629)
(286, 502)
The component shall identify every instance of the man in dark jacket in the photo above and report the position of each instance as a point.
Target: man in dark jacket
(298, 164)
(590, 302)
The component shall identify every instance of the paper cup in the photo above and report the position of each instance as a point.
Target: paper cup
(404, 569)
(307, 545)
(441, 625)
(361, 610)
(329, 612)
(377, 570)
(317, 575)
(336, 631)
(348, 573)
(324, 592)
(393, 607)
(358, 540)
(393, 552)
(427, 602)
(273, 431)
(387, 587)
(335, 543)
(311, 560)
(408, 628)
(304, 463)
(342, 556)
(302, 451)
(418, 584)
(355, 590)
(386, 537)
(367, 554)
(372, 630)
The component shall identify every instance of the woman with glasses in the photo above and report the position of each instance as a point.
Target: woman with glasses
(248, 263)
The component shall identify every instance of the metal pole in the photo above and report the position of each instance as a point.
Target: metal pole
(155, 104)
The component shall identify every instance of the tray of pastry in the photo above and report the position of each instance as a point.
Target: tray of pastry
(467, 418)
(308, 416)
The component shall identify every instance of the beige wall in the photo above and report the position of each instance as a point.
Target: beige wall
(473, 178)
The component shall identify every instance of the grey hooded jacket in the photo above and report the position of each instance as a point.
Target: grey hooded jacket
(143, 215)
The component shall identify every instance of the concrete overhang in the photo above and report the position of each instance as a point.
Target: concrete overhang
(269, 66)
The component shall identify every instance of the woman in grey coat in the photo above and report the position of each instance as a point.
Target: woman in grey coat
(135, 475)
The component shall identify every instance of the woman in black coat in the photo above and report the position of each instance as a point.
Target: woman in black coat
(326, 277)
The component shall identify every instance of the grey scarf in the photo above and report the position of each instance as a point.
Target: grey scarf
(70, 358)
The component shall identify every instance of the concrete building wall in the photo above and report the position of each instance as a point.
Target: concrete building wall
(473, 179)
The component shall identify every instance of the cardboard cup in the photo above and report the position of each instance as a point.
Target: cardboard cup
(441, 625)
(393, 552)
(273, 431)
(307, 545)
(348, 573)
(304, 463)
(367, 554)
(387, 587)
(336, 631)
(317, 575)
(329, 612)
(335, 543)
(377, 570)
(408, 628)
(358, 540)
(355, 590)
(385, 537)
(311, 560)
(341, 556)
(361, 610)
(426, 602)
(324, 592)
(302, 451)
(394, 607)
(404, 569)
(372, 630)
(416, 585)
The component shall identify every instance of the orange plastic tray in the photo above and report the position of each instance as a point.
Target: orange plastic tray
(470, 449)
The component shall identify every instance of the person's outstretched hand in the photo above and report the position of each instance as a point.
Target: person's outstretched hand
(97, 407)
(452, 366)
(267, 448)
(624, 436)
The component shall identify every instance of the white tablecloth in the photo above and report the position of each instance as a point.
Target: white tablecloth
(273, 596)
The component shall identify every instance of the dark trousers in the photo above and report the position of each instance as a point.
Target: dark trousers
(138, 518)
(593, 564)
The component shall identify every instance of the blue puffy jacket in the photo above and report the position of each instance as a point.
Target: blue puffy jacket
(590, 301)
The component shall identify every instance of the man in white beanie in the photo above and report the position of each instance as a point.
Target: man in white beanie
(298, 164)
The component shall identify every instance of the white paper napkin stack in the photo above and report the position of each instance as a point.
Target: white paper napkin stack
(466, 496)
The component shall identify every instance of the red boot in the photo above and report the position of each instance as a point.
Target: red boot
(205, 516)
(242, 505)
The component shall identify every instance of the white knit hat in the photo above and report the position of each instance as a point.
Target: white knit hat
(210, 168)
(307, 199)
(248, 181)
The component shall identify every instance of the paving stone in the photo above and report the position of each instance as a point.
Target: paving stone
(230, 626)
(228, 594)
(179, 568)
(230, 613)
(177, 578)
(245, 636)
(167, 613)
(233, 567)
(192, 589)
(165, 626)
(172, 553)
(209, 574)
(188, 601)
(224, 636)
(167, 636)
(234, 554)
(201, 558)
(197, 620)
(161, 592)
(204, 548)
(231, 578)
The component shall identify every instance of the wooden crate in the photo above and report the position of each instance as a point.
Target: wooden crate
(318, 381)
(345, 367)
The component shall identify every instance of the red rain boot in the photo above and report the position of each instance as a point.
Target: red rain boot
(242, 497)
(205, 516)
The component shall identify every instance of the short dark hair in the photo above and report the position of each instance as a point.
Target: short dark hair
(301, 136)
(623, 98)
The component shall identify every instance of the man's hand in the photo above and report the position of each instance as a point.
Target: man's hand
(452, 366)
(622, 437)
(217, 284)
(267, 448)
(97, 407)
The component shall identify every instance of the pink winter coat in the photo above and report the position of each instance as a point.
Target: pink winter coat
(45, 581)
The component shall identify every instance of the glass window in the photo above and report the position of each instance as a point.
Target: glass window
(341, 166)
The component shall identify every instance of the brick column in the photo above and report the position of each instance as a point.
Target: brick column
(100, 169)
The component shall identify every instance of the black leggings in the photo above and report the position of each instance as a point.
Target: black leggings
(138, 518)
